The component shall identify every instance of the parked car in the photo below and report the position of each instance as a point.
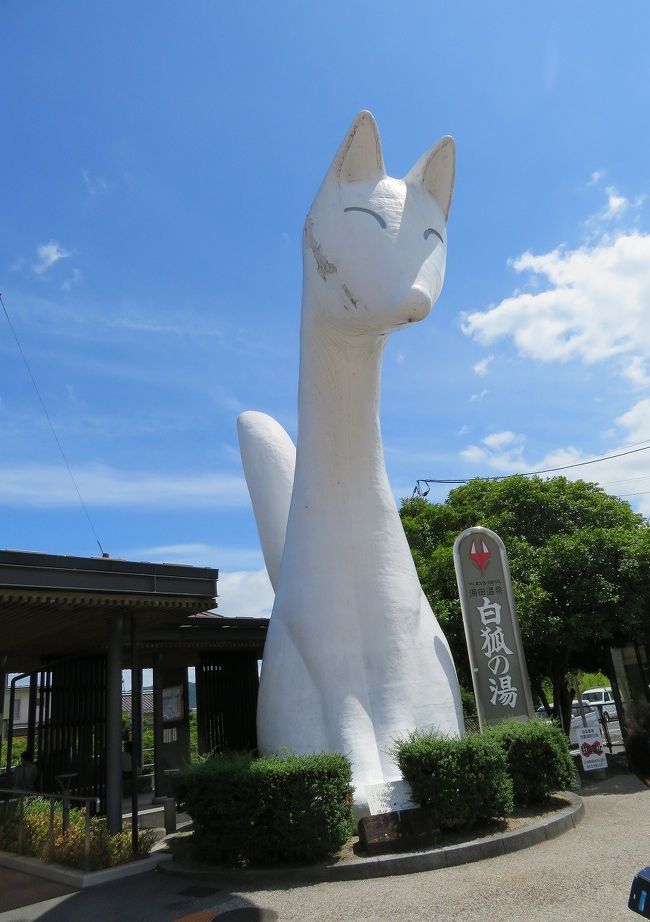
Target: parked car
(591, 716)
(603, 700)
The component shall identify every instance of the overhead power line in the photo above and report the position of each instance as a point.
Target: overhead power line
(608, 483)
(51, 425)
(418, 491)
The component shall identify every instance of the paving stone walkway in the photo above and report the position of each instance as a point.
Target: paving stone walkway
(583, 874)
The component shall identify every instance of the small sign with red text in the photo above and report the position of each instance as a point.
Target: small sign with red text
(592, 749)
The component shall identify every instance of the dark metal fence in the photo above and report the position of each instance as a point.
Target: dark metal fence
(72, 725)
(12, 810)
(226, 699)
(67, 724)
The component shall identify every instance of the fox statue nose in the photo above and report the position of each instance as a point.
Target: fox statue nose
(413, 306)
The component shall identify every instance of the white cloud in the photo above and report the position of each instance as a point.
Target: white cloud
(463, 430)
(626, 476)
(199, 555)
(636, 421)
(616, 203)
(49, 486)
(473, 454)
(481, 368)
(141, 324)
(502, 451)
(512, 460)
(595, 177)
(589, 303)
(499, 439)
(479, 396)
(634, 369)
(595, 305)
(245, 594)
(48, 255)
(72, 281)
(96, 185)
(615, 208)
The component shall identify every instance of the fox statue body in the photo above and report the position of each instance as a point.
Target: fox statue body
(354, 656)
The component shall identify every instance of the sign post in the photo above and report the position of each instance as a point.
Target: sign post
(592, 751)
(496, 653)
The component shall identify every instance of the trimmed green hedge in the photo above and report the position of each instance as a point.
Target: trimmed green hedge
(539, 761)
(477, 778)
(464, 781)
(268, 811)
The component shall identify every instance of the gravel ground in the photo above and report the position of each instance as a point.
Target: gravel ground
(583, 874)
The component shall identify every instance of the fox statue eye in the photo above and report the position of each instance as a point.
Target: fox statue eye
(379, 218)
(429, 231)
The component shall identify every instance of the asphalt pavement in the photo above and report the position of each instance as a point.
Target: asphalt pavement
(584, 874)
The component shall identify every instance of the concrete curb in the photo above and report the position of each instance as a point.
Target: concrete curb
(80, 879)
(501, 843)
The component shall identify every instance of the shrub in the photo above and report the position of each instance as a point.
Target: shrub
(268, 811)
(539, 761)
(468, 702)
(18, 746)
(105, 850)
(464, 781)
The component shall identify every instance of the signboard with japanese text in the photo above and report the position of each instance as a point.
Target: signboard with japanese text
(389, 797)
(172, 703)
(592, 750)
(496, 655)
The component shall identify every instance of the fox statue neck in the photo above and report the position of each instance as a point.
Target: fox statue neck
(339, 438)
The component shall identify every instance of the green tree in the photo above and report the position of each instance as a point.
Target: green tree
(578, 559)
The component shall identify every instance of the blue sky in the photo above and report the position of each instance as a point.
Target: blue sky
(157, 164)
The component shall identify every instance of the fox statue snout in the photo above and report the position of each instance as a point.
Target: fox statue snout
(413, 307)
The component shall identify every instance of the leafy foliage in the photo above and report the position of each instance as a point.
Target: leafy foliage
(578, 559)
(268, 811)
(468, 702)
(106, 850)
(538, 758)
(592, 680)
(464, 781)
(18, 746)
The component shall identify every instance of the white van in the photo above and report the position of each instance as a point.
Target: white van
(603, 700)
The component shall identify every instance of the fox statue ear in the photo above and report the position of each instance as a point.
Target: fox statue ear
(359, 156)
(435, 171)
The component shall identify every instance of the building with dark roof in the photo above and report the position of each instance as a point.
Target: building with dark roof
(70, 625)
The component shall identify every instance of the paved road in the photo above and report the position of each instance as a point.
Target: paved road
(583, 875)
(16, 888)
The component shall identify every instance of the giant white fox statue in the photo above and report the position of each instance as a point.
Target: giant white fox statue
(354, 656)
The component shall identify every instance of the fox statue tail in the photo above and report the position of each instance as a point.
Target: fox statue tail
(269, 459)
